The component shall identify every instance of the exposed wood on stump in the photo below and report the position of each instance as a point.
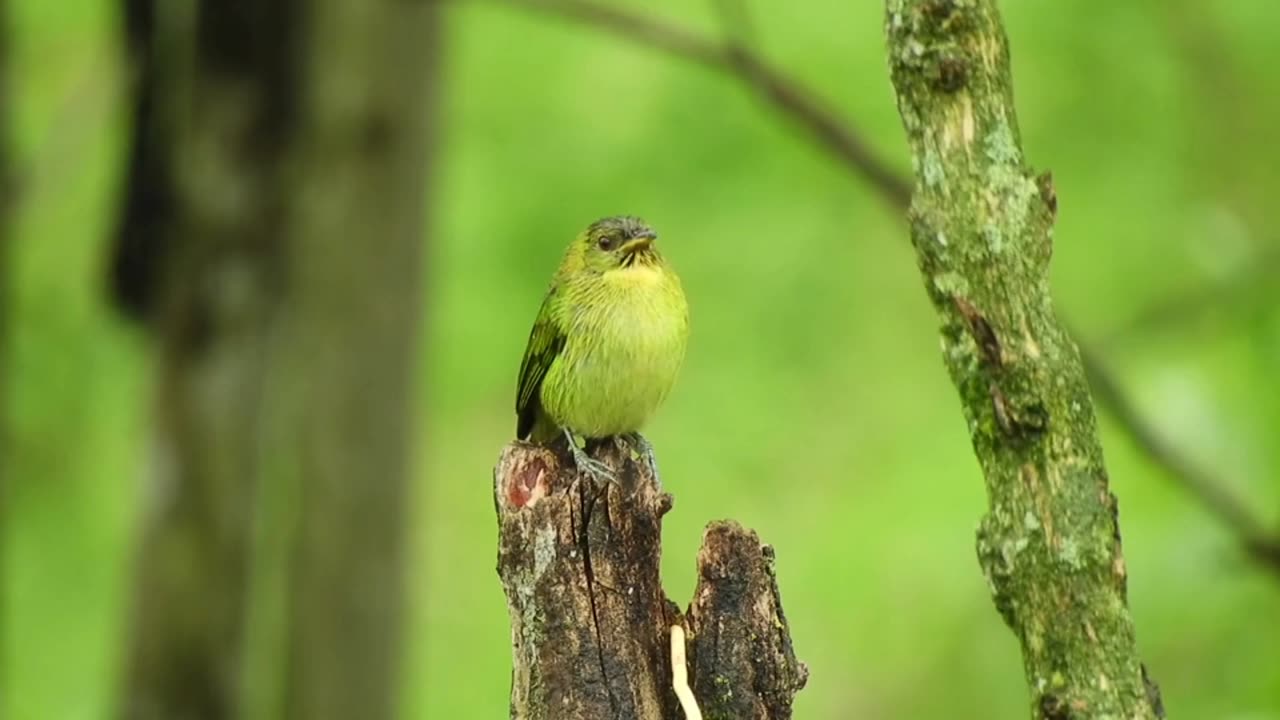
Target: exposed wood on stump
(590, 624)
(982, 224)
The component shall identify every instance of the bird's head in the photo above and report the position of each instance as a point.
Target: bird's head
(617, 242)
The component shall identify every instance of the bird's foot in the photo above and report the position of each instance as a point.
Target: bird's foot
(598, 471)
(645, 449)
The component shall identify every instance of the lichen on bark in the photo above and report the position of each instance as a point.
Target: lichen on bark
(982, 226)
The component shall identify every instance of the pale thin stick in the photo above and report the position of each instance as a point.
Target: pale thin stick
(680, 675)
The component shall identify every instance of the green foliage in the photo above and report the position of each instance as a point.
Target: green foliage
(813, 406)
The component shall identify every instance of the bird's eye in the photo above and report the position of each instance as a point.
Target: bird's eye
(605, 242)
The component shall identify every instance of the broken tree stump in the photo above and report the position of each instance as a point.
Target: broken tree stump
(590, 623)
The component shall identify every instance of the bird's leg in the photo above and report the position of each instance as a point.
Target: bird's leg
(645, 450)
(596, 469)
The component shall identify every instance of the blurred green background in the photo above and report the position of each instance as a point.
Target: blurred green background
(813, 407)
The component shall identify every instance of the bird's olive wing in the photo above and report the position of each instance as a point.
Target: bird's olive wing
(545, 343)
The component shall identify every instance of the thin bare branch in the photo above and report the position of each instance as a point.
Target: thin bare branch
(779, 92)
(791, 99)
(735, 18)
(1259, 541)
(1253, 286)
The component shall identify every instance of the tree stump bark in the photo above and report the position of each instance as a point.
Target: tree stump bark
(590, 624)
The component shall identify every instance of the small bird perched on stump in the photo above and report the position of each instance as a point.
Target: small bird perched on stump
(607, 344)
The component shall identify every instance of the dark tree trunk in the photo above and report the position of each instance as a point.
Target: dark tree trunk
(272, 239)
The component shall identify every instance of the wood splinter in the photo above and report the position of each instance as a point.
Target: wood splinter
(680, 676)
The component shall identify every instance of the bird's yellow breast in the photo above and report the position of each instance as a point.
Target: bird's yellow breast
(636, 277)
(625, 342)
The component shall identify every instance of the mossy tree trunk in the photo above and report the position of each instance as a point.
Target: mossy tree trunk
(982, 223)
(272, 241)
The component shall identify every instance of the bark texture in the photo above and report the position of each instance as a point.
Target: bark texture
(590, 624)
(272, 238)
(738, 633)
(982, 223)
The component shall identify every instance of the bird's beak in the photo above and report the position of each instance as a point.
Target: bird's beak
(636, 244)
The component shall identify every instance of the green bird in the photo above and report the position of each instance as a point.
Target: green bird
(607, 344)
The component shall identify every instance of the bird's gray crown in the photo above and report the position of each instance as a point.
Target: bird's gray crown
(629, 225)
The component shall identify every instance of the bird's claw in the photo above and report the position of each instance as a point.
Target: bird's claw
(644, 449)
(599, 471)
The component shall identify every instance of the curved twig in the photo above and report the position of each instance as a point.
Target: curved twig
(779, 91)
